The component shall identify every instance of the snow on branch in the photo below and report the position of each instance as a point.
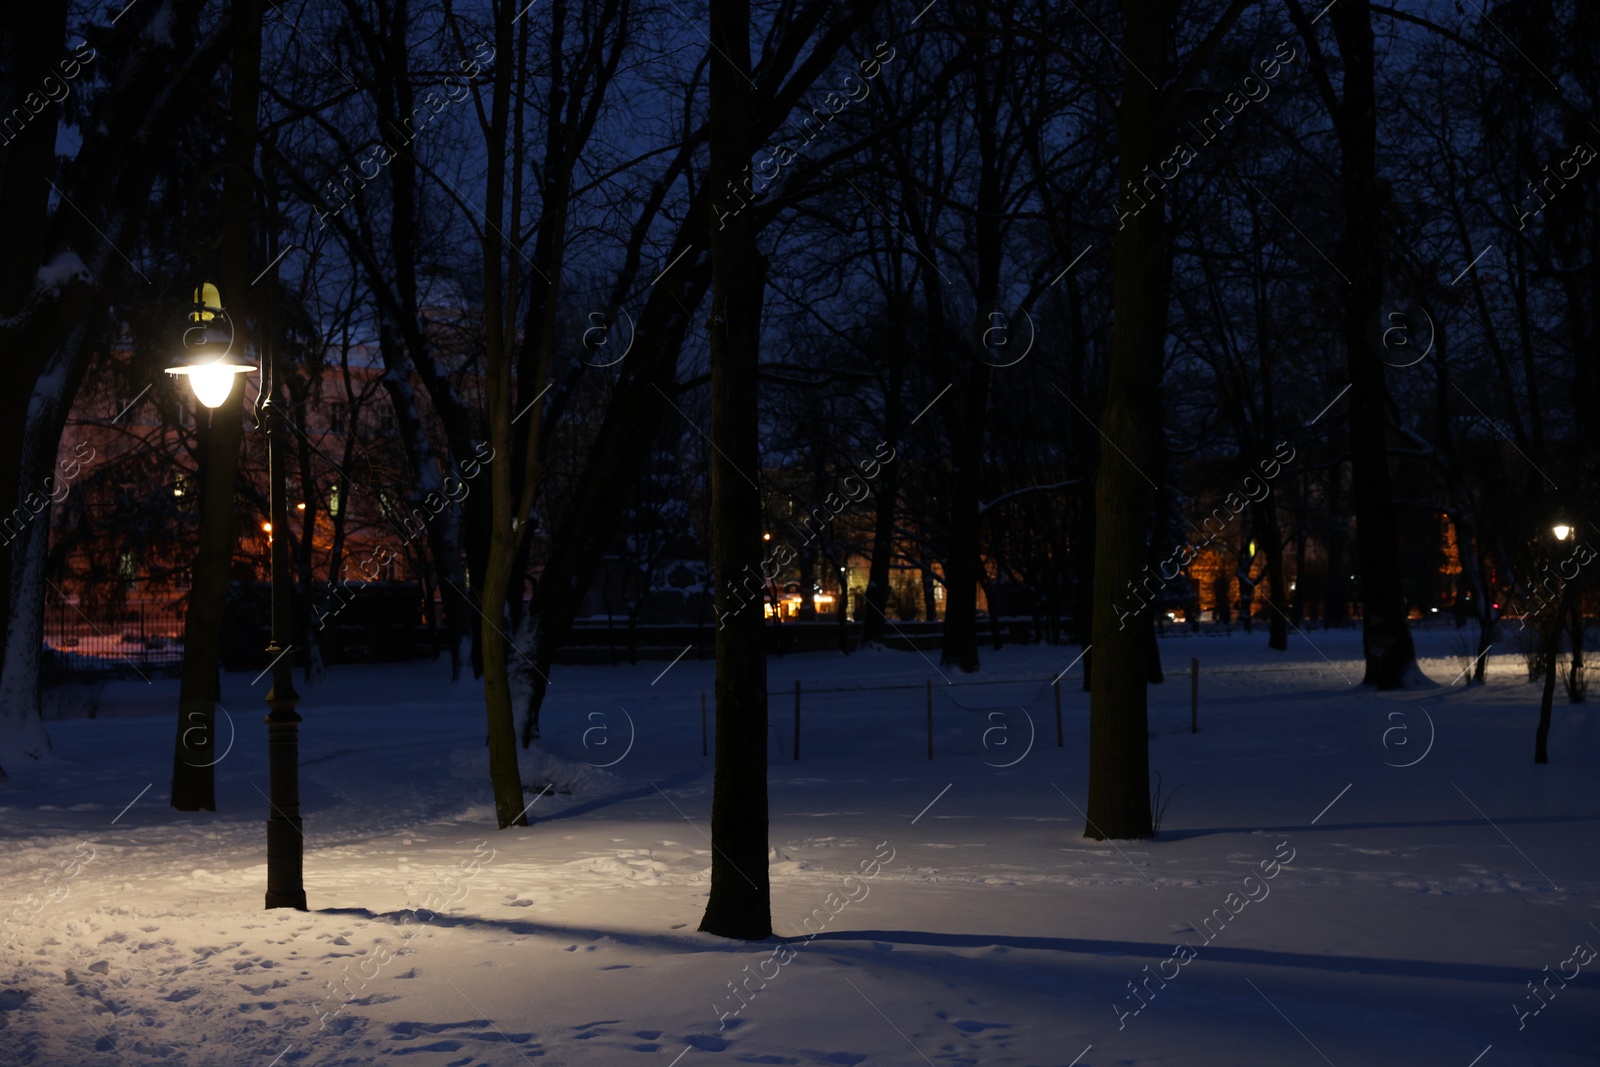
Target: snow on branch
(1003, 497)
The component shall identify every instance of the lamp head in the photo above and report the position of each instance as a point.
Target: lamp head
(208, 361)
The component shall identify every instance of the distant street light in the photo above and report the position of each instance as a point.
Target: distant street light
(211, 367)
(1561, 530)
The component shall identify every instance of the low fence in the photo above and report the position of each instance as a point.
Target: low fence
(610, 642)
(379, 622)
(132, 630)
(123, 630)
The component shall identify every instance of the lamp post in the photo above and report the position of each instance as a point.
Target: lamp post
(211, 367)
(1551, 641)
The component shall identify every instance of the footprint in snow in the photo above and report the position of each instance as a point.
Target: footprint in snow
(261, 990)
(205, 952)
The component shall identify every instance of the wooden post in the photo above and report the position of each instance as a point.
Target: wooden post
(705, 749)
(1056, 686)
(1194, 696)
(797, 718)
(930, 718)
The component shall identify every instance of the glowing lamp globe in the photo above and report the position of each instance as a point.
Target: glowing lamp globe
(1561, 530)
(211, 382)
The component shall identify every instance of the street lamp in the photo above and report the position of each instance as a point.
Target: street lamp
(211, 366)
(1561, 530)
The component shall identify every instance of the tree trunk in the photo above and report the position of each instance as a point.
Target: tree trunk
(960, 646)
(1335, 591)
(504, 775)
(875, 618)
(306, 543)
(194, 751)
(499, 303)
(1297, 608)
(995, 638)
(740, 902)
(1083, 577)
(1550, 640)
(30, 41)
(967, 411)
(1152, 648)
(1119, 758)
(1385, 637)
(807, 564)
(24, 735)
(1264, 522)
(841, 611)
(1575, 681)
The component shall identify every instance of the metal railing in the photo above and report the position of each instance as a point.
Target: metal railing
(123, 627)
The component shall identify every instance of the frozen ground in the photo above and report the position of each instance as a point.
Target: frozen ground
(1419, 904)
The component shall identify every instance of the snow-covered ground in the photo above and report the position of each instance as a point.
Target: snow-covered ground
(1310, 898)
